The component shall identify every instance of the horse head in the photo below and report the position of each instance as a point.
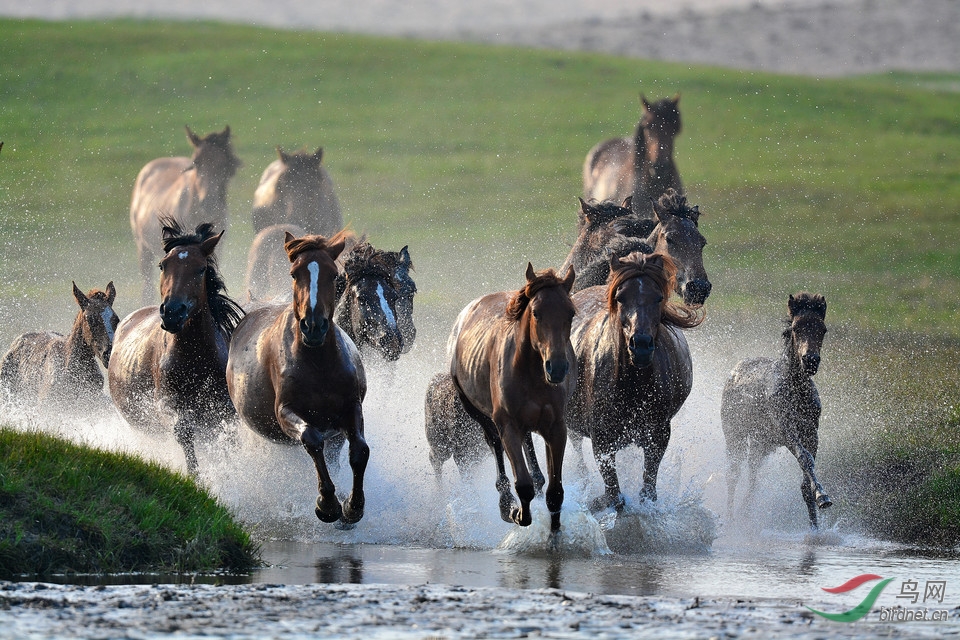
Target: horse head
(370, 300)
(99, 320)
(661, 121)
(299, 184)
(187, 273)
(406, 289)
(806, 330)
(314, 271)
(677, 234)
(545, 311)
(639, 287)
(213, 162)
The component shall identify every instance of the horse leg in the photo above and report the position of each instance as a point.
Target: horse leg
(735, 460)
(605, 454)
(556, 443)
(359, 455)
(813, 494)
(328, 507)
(818, 497)
(531, 455)
(513, 444)
(185, 429)
(492, 435)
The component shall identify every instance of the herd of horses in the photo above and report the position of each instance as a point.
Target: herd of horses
(595, 349)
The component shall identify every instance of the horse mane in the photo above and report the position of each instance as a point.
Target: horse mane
(518, 303)
(674, 203)
(225, 310)
(599, 213)
(296, 246)
(663, 271)
(365, 261)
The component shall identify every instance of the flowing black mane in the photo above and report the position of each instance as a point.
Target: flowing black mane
(226, 311)
(674, 203)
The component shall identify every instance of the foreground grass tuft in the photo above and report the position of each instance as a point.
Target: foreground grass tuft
(65, 508)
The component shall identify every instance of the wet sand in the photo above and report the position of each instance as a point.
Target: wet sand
(837, 38)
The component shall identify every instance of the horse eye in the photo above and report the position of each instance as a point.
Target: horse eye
(160, 266)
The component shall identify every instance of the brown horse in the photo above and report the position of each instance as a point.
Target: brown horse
(191, 190)
(641, 166)
(674, 231)
(296, 189)
(296, 377)
(510, 359)
(634, 368)
(168, 362)
(767, 404)
(47, 366)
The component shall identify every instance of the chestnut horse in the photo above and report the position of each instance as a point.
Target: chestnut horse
(168, 362)
(191, 190)
(46, 366)
(296, 189)
(510, 356)
(634, 368)
(375, 299)
(641, 166)
(674, 230)
(296, 377)
(767, 404)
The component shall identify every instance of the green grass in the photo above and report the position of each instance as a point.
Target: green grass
(471, 155)
(70, 509)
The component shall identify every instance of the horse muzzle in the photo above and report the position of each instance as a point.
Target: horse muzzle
(314, 332)
(811, 363)
(696, 292)
(556, 370)
(174, 314)
(641, 347)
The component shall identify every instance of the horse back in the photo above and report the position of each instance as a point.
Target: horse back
(323, 217)
(132, 373)
(33, 360)
(475, 343)
(608, 170)
(161, 187)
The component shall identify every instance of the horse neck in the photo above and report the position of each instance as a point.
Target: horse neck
(524, 355)
(79, 358)
(200, 331)
(792, 366)
(211, 193)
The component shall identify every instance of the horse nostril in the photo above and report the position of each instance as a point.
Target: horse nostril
(641, 342)
(556, 371)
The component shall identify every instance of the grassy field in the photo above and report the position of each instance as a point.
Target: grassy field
(65, 508)
(472, 155)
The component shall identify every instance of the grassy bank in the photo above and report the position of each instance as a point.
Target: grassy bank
(69, 509)
(472, 155)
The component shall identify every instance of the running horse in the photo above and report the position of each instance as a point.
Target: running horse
(510, 359)
(375, 299)
(297, 189)
(634, 368)
(297, 378)
(673, 230)
(168, 362)
(191, 190)
(641, 166)
(44, 366)
(767, 404)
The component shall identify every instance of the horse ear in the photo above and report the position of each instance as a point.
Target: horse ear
(643, 101)
(405, 257)
(111, 293)
(318, 155)
(284, 158)
(531, 274)
(627, 203)
(287, 237)
(676, 99)
(569, 278)
(694, 214)
(82, 300)
(208, 245)
(226, 132)
(193, 138)
(335, 250)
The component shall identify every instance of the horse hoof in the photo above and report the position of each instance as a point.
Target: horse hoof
(521, 516)
(507, 507)
(343, 526)
(351, 515)
(824, 501)
(328, 512)
(604, 502)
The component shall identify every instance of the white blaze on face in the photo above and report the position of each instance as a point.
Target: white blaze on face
(386, 307)
(183, 255)
(314, 270)
(107, 315)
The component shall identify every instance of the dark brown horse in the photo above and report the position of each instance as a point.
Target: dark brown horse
(767, 404)
(296, 189)
(47, 366)
(510, 360)
(191, 190)
(674, 230)
(168, 363)
(375, 299)
(634, 368)
(296, 377)
(641, 166)
(451, 431)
